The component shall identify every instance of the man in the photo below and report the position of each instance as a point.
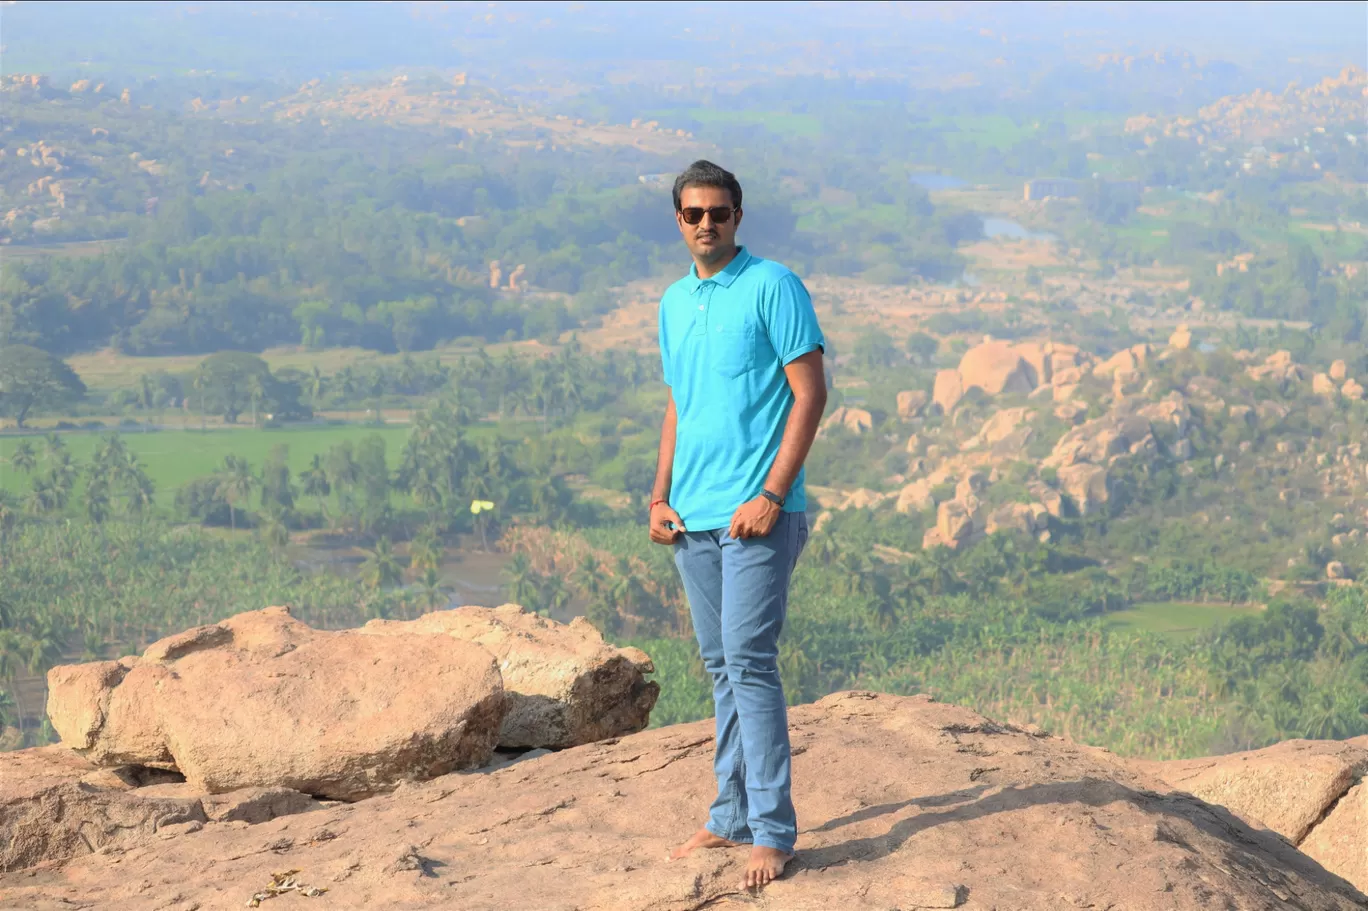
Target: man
(742, 356)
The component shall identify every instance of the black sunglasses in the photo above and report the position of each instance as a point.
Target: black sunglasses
(720, 214)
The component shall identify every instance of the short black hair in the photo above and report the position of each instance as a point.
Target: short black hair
(704, 173)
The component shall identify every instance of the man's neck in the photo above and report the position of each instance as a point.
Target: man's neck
(708, 270)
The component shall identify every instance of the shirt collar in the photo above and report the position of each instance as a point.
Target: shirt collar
(727, 275)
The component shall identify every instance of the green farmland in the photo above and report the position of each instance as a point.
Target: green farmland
(173, 457)
(1176, 619)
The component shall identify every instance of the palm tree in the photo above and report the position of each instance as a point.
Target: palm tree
(24, 458)
(430, 590)
(201, 385)
(316, 385)
(236, 483)
(314, 482)
(523, 581)
(588, 577)
(381, 567)
(274, 531)
(425, 550)
(257, 392)
(554, 594)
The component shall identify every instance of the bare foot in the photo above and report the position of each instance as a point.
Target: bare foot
(700, 839)
(765, 866)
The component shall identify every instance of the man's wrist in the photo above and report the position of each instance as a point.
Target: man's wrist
(773, 497)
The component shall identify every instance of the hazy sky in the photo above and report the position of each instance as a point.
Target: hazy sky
(297, 38)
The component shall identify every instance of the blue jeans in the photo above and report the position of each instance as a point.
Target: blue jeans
(738, 597)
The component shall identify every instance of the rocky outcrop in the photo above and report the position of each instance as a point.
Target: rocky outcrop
(1321, 384)
(1018, 518)
(1278, 367)
(1181, 338)
(1287, 787)
(1312, 793)
(1087, 486)
(1352, 390)
(911, 402)
(996, 367)
(1337, 843)
(915, 497)
(49, 810)
(904, 803)
(1339, 371)
(948, 390)
(565, 686)
(262, 699)
(856, 420)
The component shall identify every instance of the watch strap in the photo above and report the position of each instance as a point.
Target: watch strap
(773, 498)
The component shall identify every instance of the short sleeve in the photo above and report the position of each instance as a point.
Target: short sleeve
(665, 367)
(790, 320)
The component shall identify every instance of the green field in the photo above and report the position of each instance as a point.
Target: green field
(1176, 619)
(173, 457)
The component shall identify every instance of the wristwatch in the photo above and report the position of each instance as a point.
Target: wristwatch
(773, 498)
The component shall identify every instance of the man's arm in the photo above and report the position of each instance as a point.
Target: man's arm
(662, 515)
(806, 379)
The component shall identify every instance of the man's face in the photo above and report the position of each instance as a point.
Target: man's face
(708, 240)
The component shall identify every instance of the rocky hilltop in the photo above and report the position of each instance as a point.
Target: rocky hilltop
(904, 803)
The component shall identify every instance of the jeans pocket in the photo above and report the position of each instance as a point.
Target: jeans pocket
(731, 349)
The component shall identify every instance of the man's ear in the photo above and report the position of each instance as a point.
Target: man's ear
(737, 216)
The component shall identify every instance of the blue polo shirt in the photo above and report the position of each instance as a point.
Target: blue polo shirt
(724, 343)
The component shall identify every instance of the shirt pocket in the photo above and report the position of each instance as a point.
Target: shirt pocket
(731, 348)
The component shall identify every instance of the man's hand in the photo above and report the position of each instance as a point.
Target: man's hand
(661, 517)
(754, 518)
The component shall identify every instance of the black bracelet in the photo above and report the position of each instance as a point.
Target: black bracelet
(773, 498)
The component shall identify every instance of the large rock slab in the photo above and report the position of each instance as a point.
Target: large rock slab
(49, 813)
(1340, 842)
(902, 803)
(262, 699)
(565, 685)
(1286, 787)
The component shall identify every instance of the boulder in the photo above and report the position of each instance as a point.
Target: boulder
(1321, 384)
(1340, 842)
(1181, 338)
(863, 498)
(264, 700)
(1352, 390)
(1002, 424)
(1126, 361)
(915, 497)
(1336, 570)
(1339, 371)
(856, 420)
(1017, 518)
(1286, 787)
(996, 367)
(48, 813)
(954, 521)
(1172, 409)
(913, 444)
(1039, 356)
(971, 483)
(1243, 414)
(949, 389)
(1068, 376)
(911, 402)
(1087, 486)
(565, 685)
